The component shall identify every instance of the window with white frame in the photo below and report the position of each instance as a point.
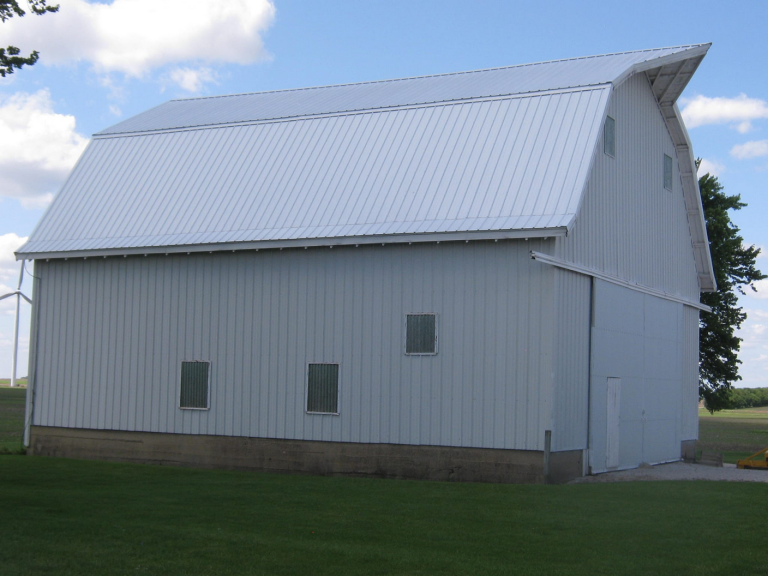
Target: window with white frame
(421, 334)
(323, 388)
(194, 391)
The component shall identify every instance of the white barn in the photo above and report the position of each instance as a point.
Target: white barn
(490, 275)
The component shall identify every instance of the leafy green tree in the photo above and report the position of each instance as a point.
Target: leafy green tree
(734, 267)
(9, 57)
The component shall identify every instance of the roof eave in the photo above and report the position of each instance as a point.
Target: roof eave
(522, 234)
(694, 53)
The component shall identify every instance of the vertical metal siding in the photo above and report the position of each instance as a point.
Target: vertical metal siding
(638, 338)
(628, 225)
(571, 361)
(689, 429)
(113, 333)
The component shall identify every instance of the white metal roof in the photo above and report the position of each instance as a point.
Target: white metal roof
(493, 153)
(521, 79)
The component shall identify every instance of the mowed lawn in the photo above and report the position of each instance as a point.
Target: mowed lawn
(77, 517)
(734, 433)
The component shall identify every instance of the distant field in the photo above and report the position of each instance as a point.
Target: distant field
(21, 382)
(11, 419)
(735, 433)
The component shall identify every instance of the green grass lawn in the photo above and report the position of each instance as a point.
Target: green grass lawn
(76, 517)
(22, 382)
(11, 418)
(735, 433)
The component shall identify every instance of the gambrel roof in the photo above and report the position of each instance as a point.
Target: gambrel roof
(496, 153)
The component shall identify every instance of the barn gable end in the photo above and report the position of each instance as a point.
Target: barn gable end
(632, 228)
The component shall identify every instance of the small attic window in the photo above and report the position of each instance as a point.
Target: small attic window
(667, 172)
(609, 137)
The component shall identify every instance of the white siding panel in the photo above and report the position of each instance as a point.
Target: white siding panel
(638, 338)
(689, 397)
(113, 333)
(628, 225)
(571, 378)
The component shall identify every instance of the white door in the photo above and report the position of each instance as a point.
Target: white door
(612, 422)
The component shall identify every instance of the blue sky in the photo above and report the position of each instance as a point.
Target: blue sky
(101, 63)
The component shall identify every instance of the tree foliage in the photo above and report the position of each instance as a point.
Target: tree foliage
(747, 398)
(10, 58)
(734, 267)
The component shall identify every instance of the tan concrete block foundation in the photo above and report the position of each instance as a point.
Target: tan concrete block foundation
(307, 457)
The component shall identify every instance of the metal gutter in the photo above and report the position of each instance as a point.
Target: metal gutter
(551, 260)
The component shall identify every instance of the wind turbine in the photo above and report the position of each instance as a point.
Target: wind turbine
(19, 296)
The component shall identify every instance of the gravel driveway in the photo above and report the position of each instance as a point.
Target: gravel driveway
(678, 471)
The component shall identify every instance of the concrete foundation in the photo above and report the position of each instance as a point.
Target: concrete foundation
(307, 457)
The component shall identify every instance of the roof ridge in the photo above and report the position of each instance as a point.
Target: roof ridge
(365, 82)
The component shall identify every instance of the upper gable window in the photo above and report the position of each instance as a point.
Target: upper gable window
(667, 172)
(609, 137)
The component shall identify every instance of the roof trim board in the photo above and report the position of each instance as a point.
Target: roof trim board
(692, 196)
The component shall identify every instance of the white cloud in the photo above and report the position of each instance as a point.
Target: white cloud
(753, 149)
(191, 79)
(38, 147)
(754, 348)
(740, 110)
(762, 289)
(115, 110)
(711, 167)
(136, 36)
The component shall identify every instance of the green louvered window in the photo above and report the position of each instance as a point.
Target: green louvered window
(194, 385)
(323, 389)
(421, 334)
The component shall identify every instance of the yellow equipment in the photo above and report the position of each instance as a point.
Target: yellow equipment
(758, 460)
